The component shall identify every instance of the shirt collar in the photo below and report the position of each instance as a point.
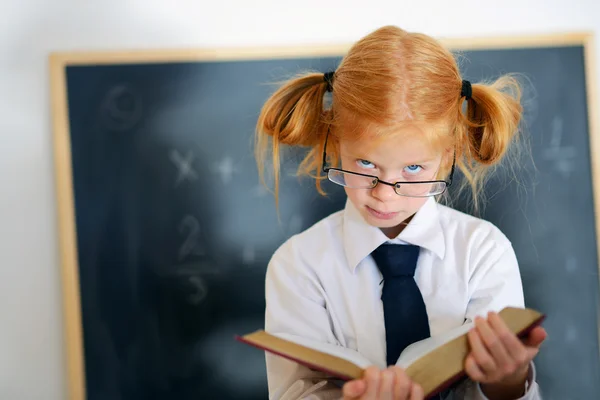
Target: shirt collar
(360, 238)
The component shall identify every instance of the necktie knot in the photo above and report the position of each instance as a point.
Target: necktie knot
(396, 260)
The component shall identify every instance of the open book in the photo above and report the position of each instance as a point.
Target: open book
(435, 363)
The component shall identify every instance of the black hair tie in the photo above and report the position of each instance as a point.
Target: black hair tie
(328, 78)
(467, 90)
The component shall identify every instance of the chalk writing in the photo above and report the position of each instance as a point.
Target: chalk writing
(184, 166)
(562, 157)
(225, 168)
(121, 108)
(191, 244)
(200, 290)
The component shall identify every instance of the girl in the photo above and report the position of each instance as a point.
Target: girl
(395, 266)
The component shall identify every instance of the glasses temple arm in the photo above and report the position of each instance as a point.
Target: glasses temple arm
(452, 169)
(324, 150)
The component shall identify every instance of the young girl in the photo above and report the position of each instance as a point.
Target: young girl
(395, 266)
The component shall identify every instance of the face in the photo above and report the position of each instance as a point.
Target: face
(404, 157)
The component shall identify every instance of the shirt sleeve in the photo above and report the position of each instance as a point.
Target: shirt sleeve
(495, 283)
(295, 304)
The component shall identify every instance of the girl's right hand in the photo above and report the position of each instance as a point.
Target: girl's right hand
(388, 384)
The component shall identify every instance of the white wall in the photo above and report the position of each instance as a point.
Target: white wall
(32, 364)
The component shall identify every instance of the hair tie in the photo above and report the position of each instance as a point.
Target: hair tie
(467, 90)
(328, 78)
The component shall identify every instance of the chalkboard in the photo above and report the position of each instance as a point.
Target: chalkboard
(166, 232)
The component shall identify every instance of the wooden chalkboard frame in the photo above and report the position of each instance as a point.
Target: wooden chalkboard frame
(58, 62)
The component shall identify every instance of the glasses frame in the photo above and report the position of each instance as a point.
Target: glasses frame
(326, 170)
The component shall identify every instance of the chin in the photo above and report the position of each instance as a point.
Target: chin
(384, 222)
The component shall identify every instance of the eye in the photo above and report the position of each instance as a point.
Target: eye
(413, 169)
(365, 164)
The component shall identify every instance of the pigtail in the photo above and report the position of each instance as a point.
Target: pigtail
(493, 115)
(487, 129)
(292, 116)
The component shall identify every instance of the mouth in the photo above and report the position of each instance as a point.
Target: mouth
(381, 215)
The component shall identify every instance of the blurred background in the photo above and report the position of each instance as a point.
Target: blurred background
(32, 346)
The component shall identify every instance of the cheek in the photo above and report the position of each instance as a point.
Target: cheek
(414, 203)
(357, 196)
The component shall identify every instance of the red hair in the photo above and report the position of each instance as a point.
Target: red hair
(389, 78)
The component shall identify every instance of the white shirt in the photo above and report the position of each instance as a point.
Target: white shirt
(322, 284)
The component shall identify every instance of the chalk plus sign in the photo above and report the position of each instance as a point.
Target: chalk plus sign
(226, 169)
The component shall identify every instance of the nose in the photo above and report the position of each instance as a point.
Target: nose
(383, 192)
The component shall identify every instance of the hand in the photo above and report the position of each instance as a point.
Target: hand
(498, 357)
(388, 384)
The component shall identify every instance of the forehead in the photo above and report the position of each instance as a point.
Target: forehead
(407, 144)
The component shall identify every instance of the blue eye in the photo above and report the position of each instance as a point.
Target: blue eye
(365, 164)
(413, 169)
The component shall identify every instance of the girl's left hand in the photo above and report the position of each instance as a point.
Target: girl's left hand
(497, 355)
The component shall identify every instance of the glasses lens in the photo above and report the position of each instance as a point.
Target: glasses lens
(348, 179)
(420, 189)
(357, 181)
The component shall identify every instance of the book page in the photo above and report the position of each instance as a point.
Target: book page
(418, 349)
(350, 355)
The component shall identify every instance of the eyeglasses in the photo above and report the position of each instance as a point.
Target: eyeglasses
(357, 180)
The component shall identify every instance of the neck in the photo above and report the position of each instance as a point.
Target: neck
(394, 231)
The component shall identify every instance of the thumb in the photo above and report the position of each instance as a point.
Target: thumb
(354, 389)
(532, 352)
(535, 337)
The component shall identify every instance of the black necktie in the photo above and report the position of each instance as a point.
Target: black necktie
(404, 311)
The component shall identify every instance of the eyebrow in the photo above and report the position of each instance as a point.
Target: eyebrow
(424, 161)
(412, 162)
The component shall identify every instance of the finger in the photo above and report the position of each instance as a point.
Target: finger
(372, 375)
(353, 389)
(416, 392)
(493, 343)
(473, 370)
(531, 353)
(514, 347)
(402, 383)
(386, 385)
(535, 337)
(534, 341)
(480, 353)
